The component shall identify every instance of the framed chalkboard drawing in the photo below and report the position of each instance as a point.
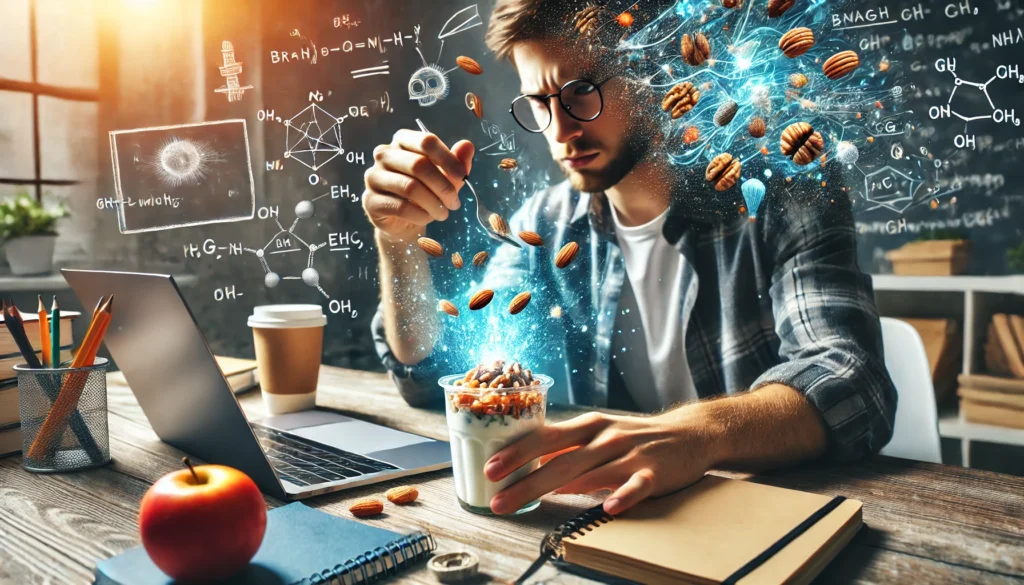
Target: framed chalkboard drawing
(169, 177)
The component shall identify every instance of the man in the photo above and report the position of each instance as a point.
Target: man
(770, 317)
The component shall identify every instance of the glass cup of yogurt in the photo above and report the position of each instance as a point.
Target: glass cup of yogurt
(482, 420)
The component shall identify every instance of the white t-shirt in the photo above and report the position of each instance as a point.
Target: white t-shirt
(651, 302)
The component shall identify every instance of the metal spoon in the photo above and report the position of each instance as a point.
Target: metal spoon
(482, 213)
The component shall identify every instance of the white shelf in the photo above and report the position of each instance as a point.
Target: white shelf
(991, 284)
(954, 428)
(52, 282)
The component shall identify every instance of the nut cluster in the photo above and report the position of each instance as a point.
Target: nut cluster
(680, 99)
(725, 113)
(777, 8)
(469, 65)
(757, 127)
(695, 49)
(801, 143)
(796, 42)
(841, 64)
(508, 164)
(723, 171)
(497, 375)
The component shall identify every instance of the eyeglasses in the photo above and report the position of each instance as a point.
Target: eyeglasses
(580, 98)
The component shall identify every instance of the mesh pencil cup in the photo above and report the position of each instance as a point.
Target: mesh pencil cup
(63, 417)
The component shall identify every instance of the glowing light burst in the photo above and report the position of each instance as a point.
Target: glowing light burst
(179, 161)
(747, 66)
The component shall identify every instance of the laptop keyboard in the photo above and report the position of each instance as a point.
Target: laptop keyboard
(304, 462)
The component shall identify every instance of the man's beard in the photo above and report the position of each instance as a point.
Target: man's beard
(598, 180)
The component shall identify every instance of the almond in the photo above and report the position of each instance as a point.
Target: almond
(481, 299)
(498, 223)
(448, 307)
(508, 164)
(457, 260)
(480, 259)
(469, 65)
(519, 303)
(475, 104)
(368, 507)
(532, 238)
(567, 254)
(432, 247)
(402, 495)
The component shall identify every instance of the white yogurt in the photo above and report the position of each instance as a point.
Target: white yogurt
(474, 440)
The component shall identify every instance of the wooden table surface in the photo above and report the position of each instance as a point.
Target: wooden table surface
(924, 523)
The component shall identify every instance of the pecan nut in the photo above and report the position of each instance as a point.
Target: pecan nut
(796, 42)
(841, 64)
(723, 171)
(695, 49)
(777, 8)
(680, 99)
(801, 143)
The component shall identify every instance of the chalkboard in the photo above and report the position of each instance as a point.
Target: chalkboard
(961, 65)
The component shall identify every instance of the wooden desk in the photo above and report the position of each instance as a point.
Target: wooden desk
(924, 523)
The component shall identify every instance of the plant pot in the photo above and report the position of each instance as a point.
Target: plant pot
(29, 255)
(930, 258)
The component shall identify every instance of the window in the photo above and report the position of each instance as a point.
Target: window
(49, 98)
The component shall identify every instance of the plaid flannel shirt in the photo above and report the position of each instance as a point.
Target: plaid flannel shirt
(776, 300)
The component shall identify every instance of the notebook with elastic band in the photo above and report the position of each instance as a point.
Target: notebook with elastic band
(716, 531)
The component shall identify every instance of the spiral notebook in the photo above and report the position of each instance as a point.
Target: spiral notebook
(716, 531)
(302, 546)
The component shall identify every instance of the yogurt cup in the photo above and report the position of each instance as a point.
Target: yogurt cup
(476, 436)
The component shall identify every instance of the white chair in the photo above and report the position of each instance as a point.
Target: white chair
(916, 434)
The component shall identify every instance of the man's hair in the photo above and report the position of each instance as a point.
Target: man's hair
(517, 21)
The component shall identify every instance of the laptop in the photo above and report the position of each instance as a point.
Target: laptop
(156, 342)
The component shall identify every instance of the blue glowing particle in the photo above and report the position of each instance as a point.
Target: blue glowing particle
(768, 173)
(753, 194)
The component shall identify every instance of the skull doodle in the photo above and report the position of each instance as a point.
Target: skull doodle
(428, 85)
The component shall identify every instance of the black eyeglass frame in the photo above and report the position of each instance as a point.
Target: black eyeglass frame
(546, 99)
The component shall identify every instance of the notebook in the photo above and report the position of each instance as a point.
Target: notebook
(717, 530)
(302, 546)
(241, 374)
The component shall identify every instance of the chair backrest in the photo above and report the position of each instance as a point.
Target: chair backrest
(916, 434)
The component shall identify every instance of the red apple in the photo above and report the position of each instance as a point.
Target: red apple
(202, 523)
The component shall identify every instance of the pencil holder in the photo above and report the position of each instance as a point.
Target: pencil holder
(64, 417)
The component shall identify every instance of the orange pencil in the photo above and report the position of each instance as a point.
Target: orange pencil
(74, 384)
(89, 333)
(44, 334)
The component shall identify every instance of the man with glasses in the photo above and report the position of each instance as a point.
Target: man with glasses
(761, 342)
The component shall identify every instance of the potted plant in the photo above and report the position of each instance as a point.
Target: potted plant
(1015, 258)
(28, 234)
(934, 253)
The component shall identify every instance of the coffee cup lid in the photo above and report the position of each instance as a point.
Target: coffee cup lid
(287, 316)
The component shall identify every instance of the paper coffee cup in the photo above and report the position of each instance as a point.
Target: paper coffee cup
(289, 341)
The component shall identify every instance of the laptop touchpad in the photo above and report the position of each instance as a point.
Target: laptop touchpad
(343, 432)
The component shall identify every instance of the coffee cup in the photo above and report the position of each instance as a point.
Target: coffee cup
(289, 341)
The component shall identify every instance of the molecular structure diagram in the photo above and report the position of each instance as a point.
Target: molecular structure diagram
(312, 132)
(997, 115)
(309, 276)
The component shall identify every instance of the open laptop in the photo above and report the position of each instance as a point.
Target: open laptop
(157, 344)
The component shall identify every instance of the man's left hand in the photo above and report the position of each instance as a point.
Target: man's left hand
(634, 456)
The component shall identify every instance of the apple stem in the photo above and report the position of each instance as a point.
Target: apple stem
(186, 461)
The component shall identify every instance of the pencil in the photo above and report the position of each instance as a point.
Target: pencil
(55, 334)
(44, 334)
(89, 333)
(15, 324)
(74, 384)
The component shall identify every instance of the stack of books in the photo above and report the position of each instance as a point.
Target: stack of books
(997, 399)
(10, 419)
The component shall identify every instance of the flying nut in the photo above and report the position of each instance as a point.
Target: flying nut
(777, 8)
(469, 65)
(519, 303)
(840, 64)
(801, 143)
(798, 80)
(475, 104)
(457, 260)
(567, 254)
(730, 3)
(588, 20)
(723, 171)
(757, 127)
(696, 49)
(480, 259)
(532, 238)
(498, 224)
(432, 247)
(448, 307)
(481, 299)
(508, 164)
(680, 99)
(796, 42)
(725, 113)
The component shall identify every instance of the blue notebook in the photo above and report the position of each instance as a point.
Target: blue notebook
(302, 546)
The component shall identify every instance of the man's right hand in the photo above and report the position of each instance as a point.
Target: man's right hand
(414, 180)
